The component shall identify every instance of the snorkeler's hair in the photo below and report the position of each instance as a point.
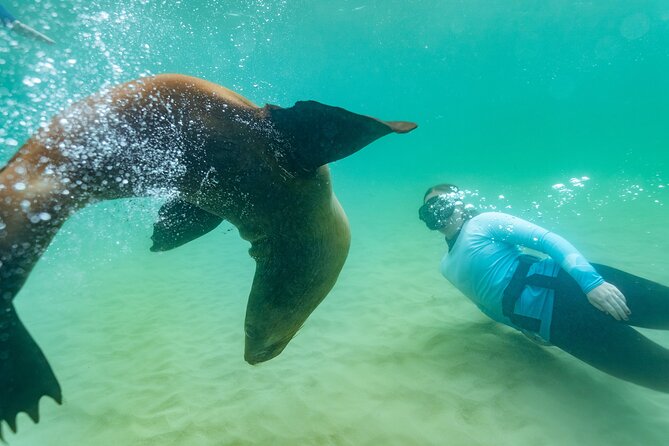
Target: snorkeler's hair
(444, 187)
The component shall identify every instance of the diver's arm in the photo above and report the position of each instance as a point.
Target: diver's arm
(602, 295)
(516, 231)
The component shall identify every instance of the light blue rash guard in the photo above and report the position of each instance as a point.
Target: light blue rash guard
(485, 256)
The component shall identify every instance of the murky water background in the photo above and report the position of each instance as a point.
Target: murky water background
(554, 111)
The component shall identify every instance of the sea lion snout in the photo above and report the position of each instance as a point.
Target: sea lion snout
(256, 357)
(260, 349)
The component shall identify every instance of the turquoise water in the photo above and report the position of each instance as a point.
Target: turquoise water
(555, 111)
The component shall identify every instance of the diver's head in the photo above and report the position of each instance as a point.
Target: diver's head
(443, 209)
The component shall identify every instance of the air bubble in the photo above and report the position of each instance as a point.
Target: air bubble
(31, 81)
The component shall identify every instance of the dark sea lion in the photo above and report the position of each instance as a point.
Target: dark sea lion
(219, 157)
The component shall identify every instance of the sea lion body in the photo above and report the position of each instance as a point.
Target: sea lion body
(217, 156)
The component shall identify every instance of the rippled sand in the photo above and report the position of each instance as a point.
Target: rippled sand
(148, 347)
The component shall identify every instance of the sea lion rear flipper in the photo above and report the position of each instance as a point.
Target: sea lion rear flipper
(180, 222)
(319, 134)
(25, 374)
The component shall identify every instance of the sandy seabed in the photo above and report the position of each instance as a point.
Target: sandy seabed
(148, 349)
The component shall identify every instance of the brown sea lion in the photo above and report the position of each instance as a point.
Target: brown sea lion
(218, 156)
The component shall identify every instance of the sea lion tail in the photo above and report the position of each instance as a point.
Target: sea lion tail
(25, 374)
(319, 134)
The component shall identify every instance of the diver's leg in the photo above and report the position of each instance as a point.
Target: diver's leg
(613, 347)
(647, 300)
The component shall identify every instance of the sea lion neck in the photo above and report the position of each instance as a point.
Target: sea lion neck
(275, 207)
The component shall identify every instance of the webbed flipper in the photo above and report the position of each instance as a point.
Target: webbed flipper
(25, 374)
(319, 134)
(180, 222)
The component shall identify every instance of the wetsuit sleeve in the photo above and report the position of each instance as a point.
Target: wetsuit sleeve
(517, 231)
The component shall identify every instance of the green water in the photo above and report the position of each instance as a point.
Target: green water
(511, 98)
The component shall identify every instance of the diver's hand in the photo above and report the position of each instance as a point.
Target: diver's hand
(607, 298)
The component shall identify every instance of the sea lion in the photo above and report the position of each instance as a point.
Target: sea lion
(218, 156)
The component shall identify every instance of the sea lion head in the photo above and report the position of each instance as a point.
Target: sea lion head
(298, 261)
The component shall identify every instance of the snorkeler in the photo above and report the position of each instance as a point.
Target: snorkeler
(585, 309)
(10, 21)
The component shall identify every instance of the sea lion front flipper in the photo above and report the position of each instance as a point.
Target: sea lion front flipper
(25, 374)
(180, 222)
(319, 134)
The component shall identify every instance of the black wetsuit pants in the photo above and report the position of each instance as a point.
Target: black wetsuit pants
(614, 346)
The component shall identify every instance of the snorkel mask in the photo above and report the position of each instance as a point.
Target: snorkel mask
(437, 210)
